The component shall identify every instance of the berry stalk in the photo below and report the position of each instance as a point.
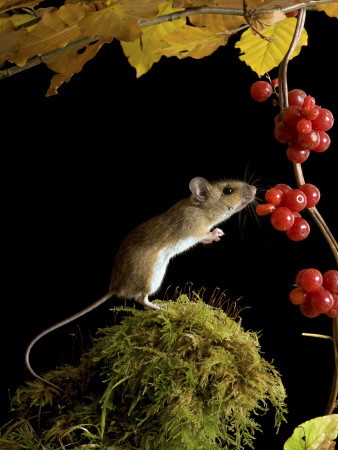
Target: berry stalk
(283, 103)
(332, 403)
(282, 73)
(302, 125)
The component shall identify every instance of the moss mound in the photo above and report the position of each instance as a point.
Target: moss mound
(185, 377)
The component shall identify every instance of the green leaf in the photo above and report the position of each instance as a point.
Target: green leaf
(262, 55)
(314, 434)
(90, 435)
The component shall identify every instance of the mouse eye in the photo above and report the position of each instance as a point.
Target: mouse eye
(228, 190)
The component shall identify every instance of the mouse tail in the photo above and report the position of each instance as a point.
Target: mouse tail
(55, 327)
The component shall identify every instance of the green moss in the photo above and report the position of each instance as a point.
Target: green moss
(185, 377)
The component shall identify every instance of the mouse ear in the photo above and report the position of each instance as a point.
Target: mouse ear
(200, 188)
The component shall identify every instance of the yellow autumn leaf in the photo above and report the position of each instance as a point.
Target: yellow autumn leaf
(119, 19)
(262, 55)
(16, 19)
(143, 57)
(55, 30)
(6, 5)
(10, 39)
(67, 64)
(331, 9)
(194, 42)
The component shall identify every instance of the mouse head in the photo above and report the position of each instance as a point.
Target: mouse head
(223, 197)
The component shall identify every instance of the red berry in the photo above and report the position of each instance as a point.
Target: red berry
(308, 310)
(330, 281)
(274, 196)
(292, 13)
(282, 218)
(311, 280)
(261, 90)
(265, 209)
(324, 142)
(324, 121)
(295, 200)
(299, 274)
(308, 105)
(313, 114)
(277, 119)
(297, 154)
(285, 133)
(304, 126)
(296, 97)
(333, 313)
(283, 187)
(310, 140)
(321, 300)
(298, 296)
(312, 194)
(275, 83)
(292, 114)
(299, 230)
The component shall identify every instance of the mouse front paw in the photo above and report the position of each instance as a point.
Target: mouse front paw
(213, 236)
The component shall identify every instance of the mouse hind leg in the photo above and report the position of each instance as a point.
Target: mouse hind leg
(143, 299)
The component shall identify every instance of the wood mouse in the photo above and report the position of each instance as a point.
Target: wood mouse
(142, 259)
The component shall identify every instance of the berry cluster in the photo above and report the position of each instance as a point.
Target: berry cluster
(303, 125)
(316, 293)
(284, 204)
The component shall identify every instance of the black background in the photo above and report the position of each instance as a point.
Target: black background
(82, 168)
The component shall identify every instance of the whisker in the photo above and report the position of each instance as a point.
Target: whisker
(255, 179)
(248, 214)
(252, 176)
(252, 212)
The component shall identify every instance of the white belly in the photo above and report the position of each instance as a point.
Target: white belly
(164, 257)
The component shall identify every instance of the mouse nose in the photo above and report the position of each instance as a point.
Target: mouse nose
(253, 189)
(250, 191)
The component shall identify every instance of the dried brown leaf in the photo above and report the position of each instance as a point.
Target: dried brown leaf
(327, 445)
(271, 18)
(260, 21)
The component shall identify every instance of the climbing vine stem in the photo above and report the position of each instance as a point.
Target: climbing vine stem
(318, 219)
